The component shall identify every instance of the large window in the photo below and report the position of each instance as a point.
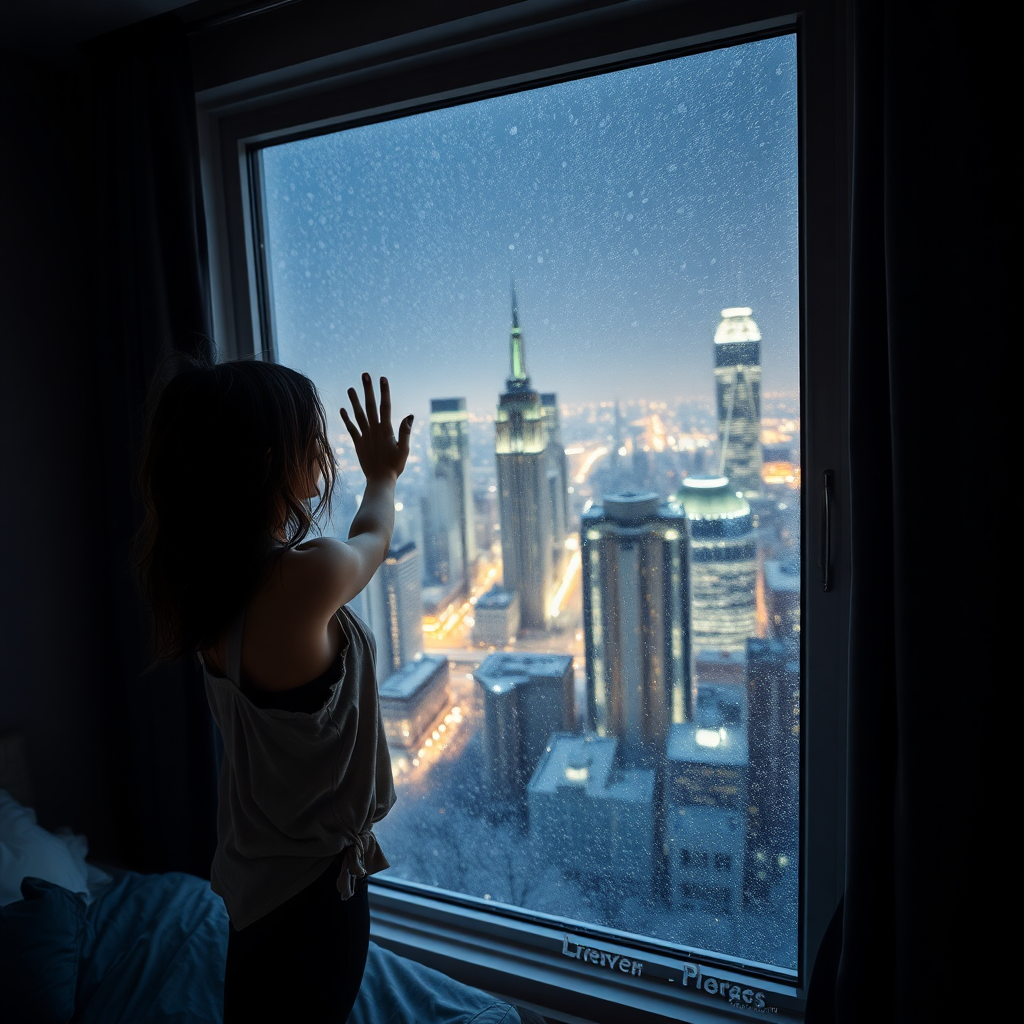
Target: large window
(591, 626)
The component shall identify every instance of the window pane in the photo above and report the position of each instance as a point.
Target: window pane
(588, 625)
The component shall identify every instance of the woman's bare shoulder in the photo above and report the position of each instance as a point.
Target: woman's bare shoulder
(291, 634)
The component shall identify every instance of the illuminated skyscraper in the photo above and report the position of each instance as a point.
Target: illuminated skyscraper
(723, 564)
(449, 458)
(738, 397)
(558, 475)
(636, 620)
(400, 635)
(531, 487)
(444, 565)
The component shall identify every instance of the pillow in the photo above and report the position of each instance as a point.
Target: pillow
(27, 849)
(40, 938)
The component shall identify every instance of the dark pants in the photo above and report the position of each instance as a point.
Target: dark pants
(302, 962)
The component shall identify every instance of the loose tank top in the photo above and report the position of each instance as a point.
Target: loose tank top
(297, 787)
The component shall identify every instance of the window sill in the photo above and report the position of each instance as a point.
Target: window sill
(533, 964)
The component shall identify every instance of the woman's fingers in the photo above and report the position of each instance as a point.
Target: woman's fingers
(371, 400)
(357, 409)
(385, 401)
(353, 433)
(404, 430)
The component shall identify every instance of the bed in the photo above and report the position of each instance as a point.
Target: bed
(91, 946)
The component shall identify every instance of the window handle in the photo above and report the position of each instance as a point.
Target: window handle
(827, 499)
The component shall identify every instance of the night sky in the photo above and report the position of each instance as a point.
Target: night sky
(631, 208)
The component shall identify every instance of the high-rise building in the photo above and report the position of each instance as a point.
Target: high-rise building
(558, 475)
(592, 818)
(444, 564)
(411, 700)
(496, 617)
(531, 486)
(773, 693)
(738, 397)
(399, 598)
(526, 698)
(782, 598)
(705, 830)
(636, 621)
(449, 459)
(723, 564)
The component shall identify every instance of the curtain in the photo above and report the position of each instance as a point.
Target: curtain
(151, 292)
(880, 957)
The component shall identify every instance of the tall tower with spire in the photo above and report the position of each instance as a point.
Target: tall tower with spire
(531, 486)
(738, 395)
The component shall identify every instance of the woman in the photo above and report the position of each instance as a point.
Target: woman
(233, 456)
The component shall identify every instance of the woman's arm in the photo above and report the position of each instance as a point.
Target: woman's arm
(335, 571)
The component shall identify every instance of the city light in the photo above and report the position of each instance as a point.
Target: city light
(588, 463)
(563, 588)
(709, 737)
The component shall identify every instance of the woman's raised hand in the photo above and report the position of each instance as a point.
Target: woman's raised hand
(381, 455)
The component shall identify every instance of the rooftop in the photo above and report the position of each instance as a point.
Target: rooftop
(447, 405)
(724, 747)
(401, 551)
(587, 762)
(737, 325)
(412, 677)
(633, 509)
(711, 497)
(506, 670)
(782, 577)
(496, 597)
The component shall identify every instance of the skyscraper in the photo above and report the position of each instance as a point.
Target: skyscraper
(773, 690)
(449, 459)
(531, 487)
(558, 475)
(636, 619)
(526, 698)
(444, 564)
(400, 635)
(738, 397)
(723, 564)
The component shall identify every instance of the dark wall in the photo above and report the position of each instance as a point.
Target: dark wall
(52, 643)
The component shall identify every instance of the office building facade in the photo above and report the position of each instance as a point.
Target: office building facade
(396, 603)
(782, 598)
(496, 617)
(723, 564)
(636, 621)
(738, 399)
(444, 562)
(411, 699)
(449, 460)
(526, 698)
(706, 804)
(592, 818)
(773, 693)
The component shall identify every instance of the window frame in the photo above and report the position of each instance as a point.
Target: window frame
(521, 957)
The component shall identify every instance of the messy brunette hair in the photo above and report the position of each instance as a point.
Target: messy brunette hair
(228, 451)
